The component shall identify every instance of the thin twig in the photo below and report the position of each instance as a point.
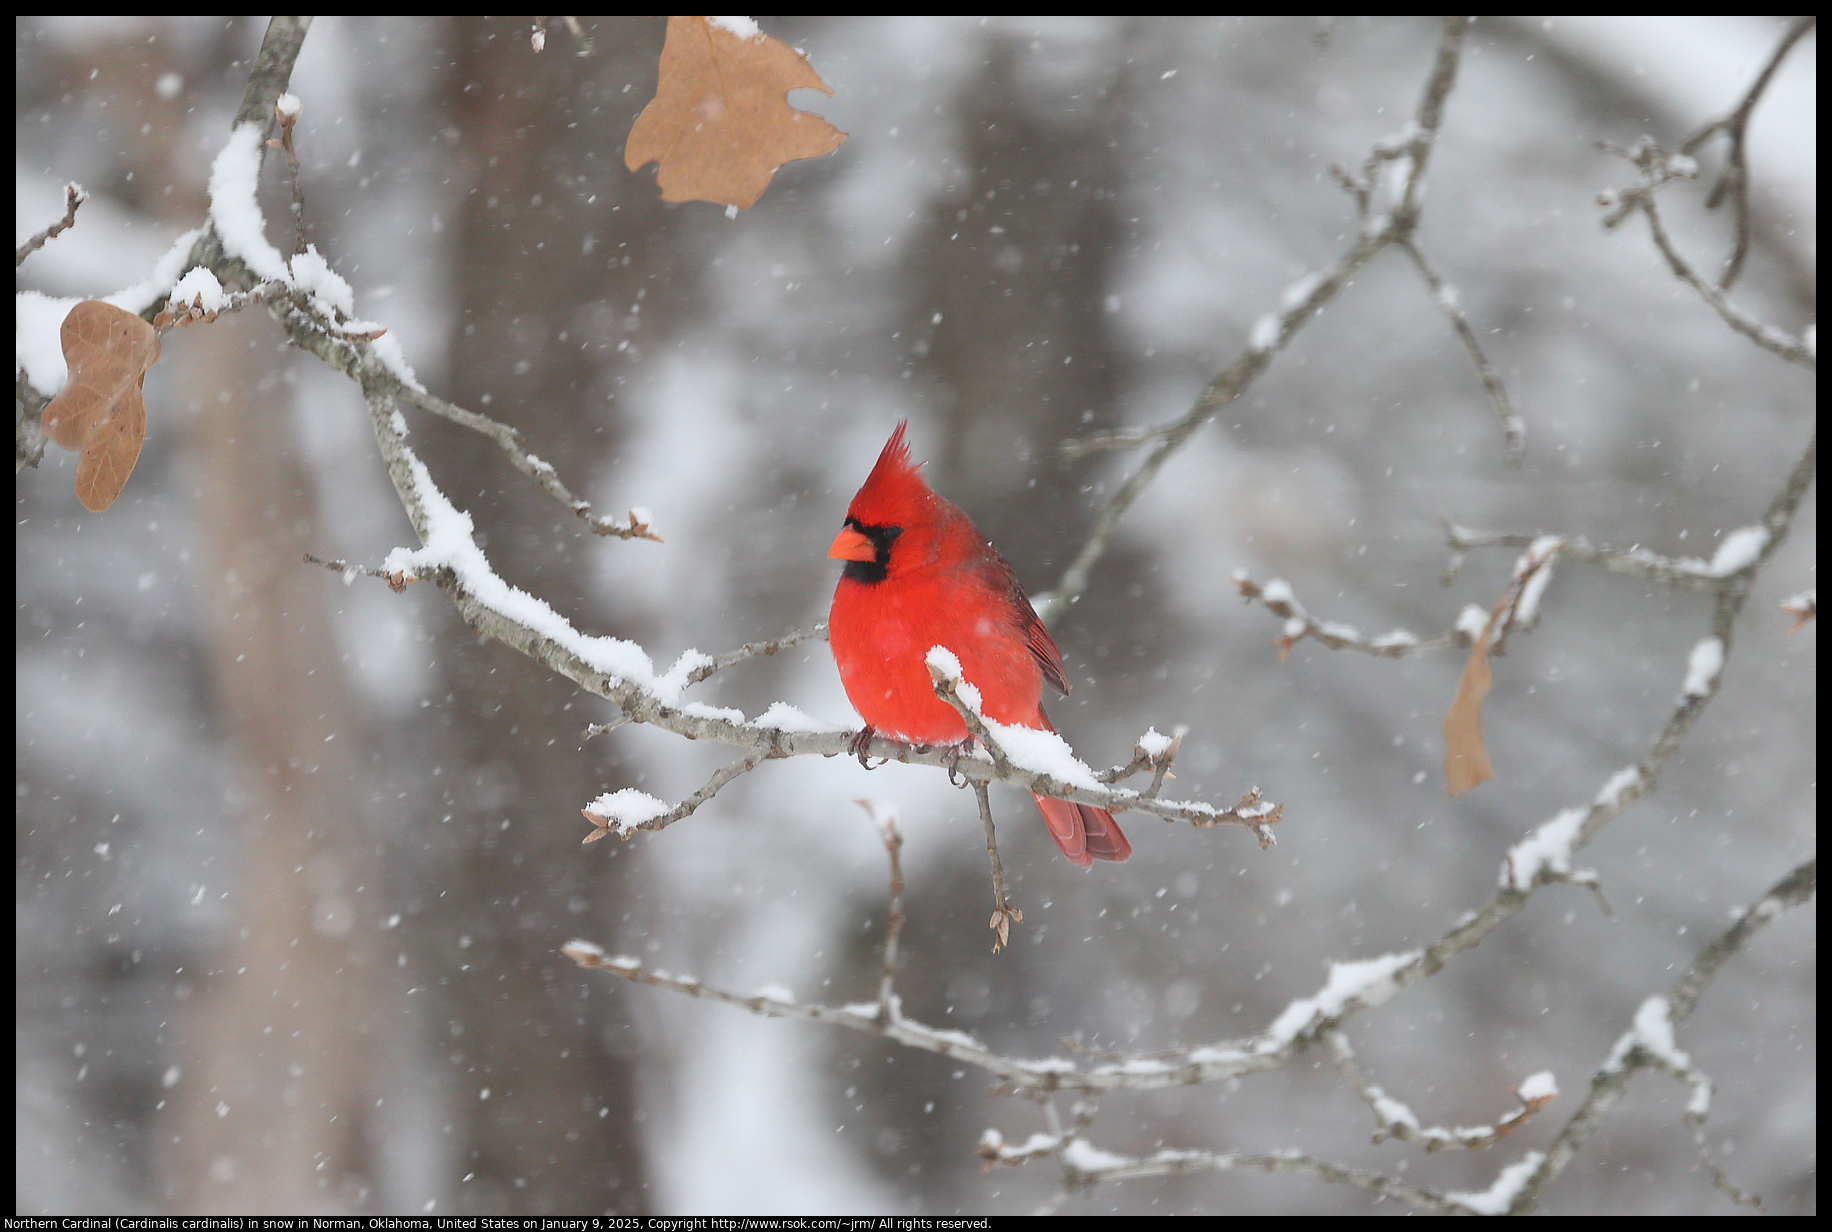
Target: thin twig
(1657, 169)
(509, 440)
(1690, 572)
(287, 111)
(175, 315)
(1394, 1119)
(1513, 430)
(754, 650)
(74, 196)
(1004, 915)
(1255, 813)
(893, 925)
(603, 825)
(1300, 624)
(397, 582)
(1733, 181)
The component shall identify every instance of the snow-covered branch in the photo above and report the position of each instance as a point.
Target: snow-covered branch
(1740, 550)
(1394, 1119)
(1042, 762)
(1649, 1043)
(1085, 1165)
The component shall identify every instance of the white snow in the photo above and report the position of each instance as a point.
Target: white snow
(199, 288)
(233, 208)
(1154, 743)
(1081, 1155)
(784, 717)
(312, 274)
(743, 27)
(1265, 333)
(1472, 620)
(38, 318)
(1367, 980)
(1496, 1198)
(627, 809)
(1041, 752)
(1703, 666)
(1542, 1085)
(1538, 559)
(1548, 847)
(1300, 291)
(1031, 748)
(1611, 792)
(1653, 1034)
(1739, 550)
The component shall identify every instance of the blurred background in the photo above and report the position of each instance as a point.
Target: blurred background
(294, 859)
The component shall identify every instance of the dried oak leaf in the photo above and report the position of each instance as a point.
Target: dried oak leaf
(720, 123)
(1466, 763)
(100, 410)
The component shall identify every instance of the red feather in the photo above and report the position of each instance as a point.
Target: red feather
(918, 574)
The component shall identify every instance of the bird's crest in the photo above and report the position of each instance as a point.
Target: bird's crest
(893, 494)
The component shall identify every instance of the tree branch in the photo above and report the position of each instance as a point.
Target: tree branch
(1411, 152)
(1658, 169)
(74, 196)
(1733, 181)
(1650, 1042)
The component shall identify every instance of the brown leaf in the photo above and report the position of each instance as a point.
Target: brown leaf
(602, 827)
(1466, 762)
(100, 410)
(1802, 607)
(720, 123)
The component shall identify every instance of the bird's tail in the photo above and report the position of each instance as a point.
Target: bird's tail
(1084, 833)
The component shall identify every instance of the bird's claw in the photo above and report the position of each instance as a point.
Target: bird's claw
(861, 742)
(955, 753)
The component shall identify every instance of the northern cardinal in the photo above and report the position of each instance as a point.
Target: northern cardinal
(918, 574)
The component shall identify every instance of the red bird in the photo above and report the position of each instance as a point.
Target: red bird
(918, 574)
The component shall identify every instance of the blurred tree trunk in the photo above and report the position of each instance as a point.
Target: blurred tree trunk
(290, 1021)
(545, 270)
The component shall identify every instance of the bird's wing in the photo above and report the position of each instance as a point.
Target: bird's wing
(998, 574)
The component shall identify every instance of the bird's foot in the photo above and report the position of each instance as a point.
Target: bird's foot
(957, 751)
(860, 742)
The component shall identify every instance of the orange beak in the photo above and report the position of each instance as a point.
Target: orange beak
(849, 544)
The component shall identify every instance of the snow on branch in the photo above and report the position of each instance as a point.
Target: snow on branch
(1649, 1044)
(1085, 1166)
(1394, 1119)
(1299, 624)
(231, 262)
(1042, 762)
(1739, 551)
(1518, 1185)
